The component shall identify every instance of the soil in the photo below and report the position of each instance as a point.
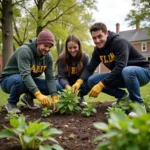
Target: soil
(78, 130)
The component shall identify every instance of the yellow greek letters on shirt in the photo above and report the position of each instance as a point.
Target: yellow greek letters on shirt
(107, 58)
(37, 69)
(73, 70)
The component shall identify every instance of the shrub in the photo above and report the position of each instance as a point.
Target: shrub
(68, 102)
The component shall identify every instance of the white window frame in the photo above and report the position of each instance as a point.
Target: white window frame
(144, 44)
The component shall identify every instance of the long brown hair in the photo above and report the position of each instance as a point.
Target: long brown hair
(66, 56)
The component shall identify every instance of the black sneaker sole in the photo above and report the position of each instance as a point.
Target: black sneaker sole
(30, 107)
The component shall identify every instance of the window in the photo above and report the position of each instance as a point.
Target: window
(144, 46)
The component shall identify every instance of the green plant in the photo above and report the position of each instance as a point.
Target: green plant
(31, 136)
(113, 109)
(46, 112)
(125, 133)
(124, 105)
(13, 114)
(68, 102)
(89, 110)
(147, 102)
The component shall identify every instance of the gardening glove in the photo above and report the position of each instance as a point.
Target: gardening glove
(68, 87)
(42, 98)
(76, 86)
(96, 89)
(55, 100)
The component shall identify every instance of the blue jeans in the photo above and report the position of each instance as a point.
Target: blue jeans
(84, 89)
(14, 86)
(132, 78)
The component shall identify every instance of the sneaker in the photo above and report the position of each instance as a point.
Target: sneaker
(133, 114)
(82, 102)
(12, 108)
(126, 96)
(28, 100)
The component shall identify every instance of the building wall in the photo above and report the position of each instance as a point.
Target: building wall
(138, 46)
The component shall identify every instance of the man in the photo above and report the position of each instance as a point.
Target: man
(129, 69)
(21, 74)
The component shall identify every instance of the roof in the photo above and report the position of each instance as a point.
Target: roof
(135, 35)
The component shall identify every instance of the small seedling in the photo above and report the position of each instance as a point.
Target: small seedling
(89, 110)
(68, 102)
(13, 114)
(46, 112)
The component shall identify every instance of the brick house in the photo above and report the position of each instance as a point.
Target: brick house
(139, 39)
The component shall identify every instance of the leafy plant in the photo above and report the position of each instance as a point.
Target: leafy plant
(147, 102)
(13, 114)
(31, 136)
(125, 105)
(68, 102)
(134, 133)
(113, 109)
(89, 110)
(46, 112)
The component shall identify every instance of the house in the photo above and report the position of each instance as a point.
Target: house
(139, 39)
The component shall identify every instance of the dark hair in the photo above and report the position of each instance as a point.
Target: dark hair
(98, 26)
(66, 56)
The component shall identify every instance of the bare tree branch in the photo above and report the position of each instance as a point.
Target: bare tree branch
(16, 40)
(17, 32)
(35, 1)
(58, 2)
(17, 2)
(28, 12)
(25, 30)
(64, 13)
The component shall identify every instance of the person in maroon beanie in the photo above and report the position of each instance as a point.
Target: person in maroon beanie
(22, 71)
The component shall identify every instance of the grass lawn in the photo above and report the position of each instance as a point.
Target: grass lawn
(145, 91)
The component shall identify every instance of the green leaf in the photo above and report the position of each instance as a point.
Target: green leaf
(45, 147)
(53, 131)
(101, 125)
(27, 138)
(70, 107)
(57, 147)
(6, 134)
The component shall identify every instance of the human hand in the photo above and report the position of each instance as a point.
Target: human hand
(55, 100)
(68, 87)
(96, 89)
(76, 86)
(42, 98)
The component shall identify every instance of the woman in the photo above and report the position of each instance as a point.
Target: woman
(70, 65)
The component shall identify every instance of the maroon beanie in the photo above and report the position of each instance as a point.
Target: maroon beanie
(45, 37)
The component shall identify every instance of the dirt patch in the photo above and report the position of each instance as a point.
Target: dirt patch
(78, 131)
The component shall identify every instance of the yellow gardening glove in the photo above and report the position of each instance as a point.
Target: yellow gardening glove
(42, 98)
(68, 87)
(96, 89)
(76, 86)
(55, 100)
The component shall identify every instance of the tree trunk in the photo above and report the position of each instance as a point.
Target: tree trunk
(7, 32)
